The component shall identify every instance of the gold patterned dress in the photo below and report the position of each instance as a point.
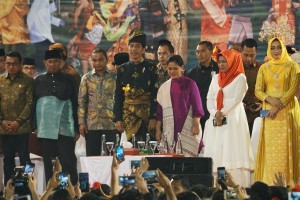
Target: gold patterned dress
(278, 149)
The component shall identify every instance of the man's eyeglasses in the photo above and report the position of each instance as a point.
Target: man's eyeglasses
(14, 64)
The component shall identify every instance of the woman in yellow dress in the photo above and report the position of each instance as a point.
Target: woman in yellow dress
(276, 86)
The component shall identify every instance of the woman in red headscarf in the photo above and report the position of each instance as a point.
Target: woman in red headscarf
(226, 134)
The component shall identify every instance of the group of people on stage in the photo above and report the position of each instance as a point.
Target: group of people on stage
(220, 97)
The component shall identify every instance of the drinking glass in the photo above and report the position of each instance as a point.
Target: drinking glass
(153, 145)
(171, 147)
(141, 145)
(109, 146)
(159, 147)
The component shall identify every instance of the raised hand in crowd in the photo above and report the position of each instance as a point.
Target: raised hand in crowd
(9, 190)
(32, 187)
(280, 179)
(52, 184)
(230, 180)
(115, 188)
(77, 190)
(159, 188)
(71, 189)
(165, 182)
(242, 193)
(141, 184)
(57, 166)
(144, 165)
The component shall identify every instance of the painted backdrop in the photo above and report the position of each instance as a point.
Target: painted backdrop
(29, 26)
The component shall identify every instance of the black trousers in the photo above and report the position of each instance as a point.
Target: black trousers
(93, 140)
(12, 144)
(64, 149)
(143, 130)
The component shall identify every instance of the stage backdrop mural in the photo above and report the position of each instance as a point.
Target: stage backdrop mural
(30, 26)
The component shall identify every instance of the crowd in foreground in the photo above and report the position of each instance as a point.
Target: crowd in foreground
(177, 187)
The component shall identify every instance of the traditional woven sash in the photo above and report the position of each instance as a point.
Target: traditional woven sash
(54, 116)
(190, 143)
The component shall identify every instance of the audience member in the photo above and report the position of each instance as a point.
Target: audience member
(89, 196)
(165, 50)
(135, 105)
(95, 104)
(29, 67)
(179, 109)
(261, 190)
(61, 194)
(202, 74)
(276, 86)
(64, 66)
(2, 62)
(56, 102)
(187, 195)
(251, 67)
(201, 190)
(180, 184)
(16, 92)
(226, 133)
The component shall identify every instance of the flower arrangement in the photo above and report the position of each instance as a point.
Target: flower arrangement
(279, 28)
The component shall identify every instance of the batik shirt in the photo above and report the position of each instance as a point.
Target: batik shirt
(96, 99)
(16, 98)
(162, 75)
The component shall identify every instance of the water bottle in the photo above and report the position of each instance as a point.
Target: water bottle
(179, 145)
(133, 141)
(117, 140)
(147, 141)
(103, 145)
(164, 143)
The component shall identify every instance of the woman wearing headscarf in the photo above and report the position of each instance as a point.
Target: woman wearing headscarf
(276, 86)
(226, 134)
(179, 109)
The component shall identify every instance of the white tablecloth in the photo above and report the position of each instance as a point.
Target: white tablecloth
(99, 167)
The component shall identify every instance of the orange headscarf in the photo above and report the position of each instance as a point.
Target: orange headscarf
(235, 65)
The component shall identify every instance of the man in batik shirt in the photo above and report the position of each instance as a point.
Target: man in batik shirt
(95, 104)
(16, 91)
(136, 90)
(251, 66)
(165, 50)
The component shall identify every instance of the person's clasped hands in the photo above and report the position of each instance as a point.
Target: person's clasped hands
(10, 126)
(219, 116)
